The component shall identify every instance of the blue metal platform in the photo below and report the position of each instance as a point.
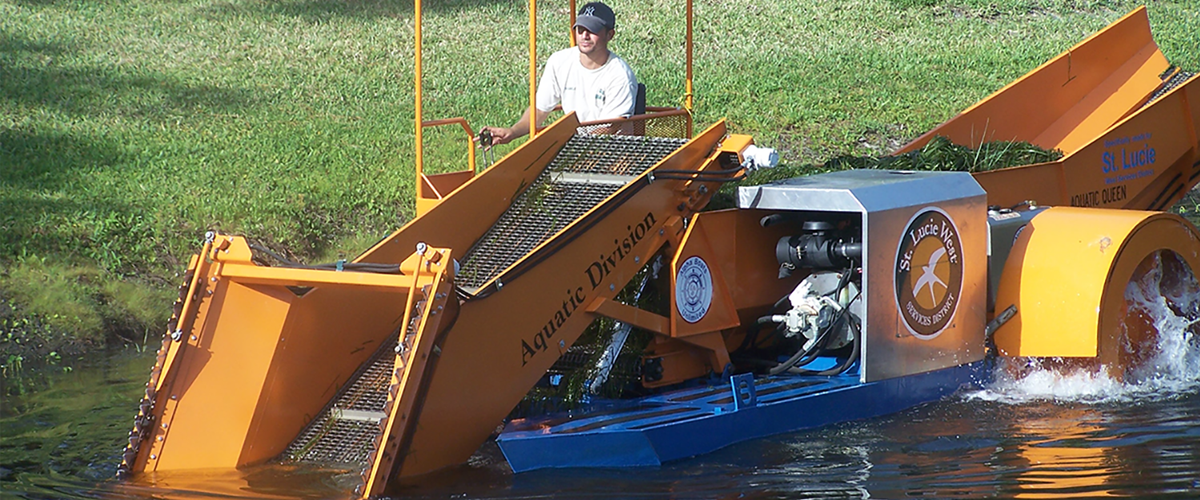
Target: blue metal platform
(688, 422)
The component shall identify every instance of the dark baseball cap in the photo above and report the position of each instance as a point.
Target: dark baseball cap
(596, 17)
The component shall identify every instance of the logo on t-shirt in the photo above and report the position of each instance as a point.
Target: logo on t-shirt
(600, 98)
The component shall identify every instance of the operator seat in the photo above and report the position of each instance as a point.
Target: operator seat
(639, 101)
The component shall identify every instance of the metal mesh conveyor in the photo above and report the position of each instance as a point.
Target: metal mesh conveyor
(345, 432)
(1169, 85)
(587, 170)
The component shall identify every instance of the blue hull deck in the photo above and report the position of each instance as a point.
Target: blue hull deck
(689, 422)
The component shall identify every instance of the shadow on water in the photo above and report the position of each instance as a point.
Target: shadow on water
(1031, 436)
(61, 438)
(67, 426)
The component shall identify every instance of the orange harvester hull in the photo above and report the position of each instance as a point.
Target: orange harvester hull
(259, 358)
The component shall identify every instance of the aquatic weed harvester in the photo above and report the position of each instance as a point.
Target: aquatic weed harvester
(816, 300)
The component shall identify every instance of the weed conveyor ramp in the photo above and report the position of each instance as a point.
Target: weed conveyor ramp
(402, 376)
(588, 170)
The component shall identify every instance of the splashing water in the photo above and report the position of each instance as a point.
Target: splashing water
(1169, 294)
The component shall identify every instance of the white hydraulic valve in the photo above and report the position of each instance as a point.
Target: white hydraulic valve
(758, 158)
(816, 305)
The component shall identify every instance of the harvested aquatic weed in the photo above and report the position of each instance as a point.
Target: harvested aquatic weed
(942, 155)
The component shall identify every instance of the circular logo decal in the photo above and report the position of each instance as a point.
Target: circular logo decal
(693, 289)
(929, 273)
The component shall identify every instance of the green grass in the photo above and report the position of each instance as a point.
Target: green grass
(128, 129)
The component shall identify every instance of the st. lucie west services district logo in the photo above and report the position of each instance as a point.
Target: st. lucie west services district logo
(929, 273)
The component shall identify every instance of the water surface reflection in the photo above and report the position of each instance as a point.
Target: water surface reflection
(1042, 436)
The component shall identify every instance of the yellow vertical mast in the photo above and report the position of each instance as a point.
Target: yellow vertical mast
(532, 68)
(417, 78)
(687, 84)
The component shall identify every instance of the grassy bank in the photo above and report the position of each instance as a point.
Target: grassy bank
(128, 129)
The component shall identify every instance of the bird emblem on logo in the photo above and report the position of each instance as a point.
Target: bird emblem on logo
(929, 276)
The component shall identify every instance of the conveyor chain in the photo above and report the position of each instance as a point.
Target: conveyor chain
(585, 172)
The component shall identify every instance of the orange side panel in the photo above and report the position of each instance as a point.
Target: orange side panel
(262, 360)
(437, 186)
(1068, 101)
(216, 390)
(1090, 103)
(501, 344)
(720, 313)
(1041, 183)
(1147, 161)
(1124, 90)
(328, 335)
(746, 253)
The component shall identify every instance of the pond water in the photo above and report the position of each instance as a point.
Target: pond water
(1045, 434)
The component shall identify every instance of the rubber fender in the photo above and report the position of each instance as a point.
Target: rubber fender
(1067, 274)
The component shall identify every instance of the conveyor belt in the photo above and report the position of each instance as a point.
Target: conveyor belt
(1168, 85)
(585, 172)
(346, 430)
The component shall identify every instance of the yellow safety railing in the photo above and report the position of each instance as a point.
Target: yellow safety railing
(466, 128)
(420, 123)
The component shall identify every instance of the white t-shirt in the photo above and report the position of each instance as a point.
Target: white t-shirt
(593, 94)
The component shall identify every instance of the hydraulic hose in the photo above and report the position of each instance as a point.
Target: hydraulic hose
(725, 171)
(770, 318)
(724, 175)
(700, 177)
(752, 333)
(806, 356)
(364, 267)
(845, 365)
